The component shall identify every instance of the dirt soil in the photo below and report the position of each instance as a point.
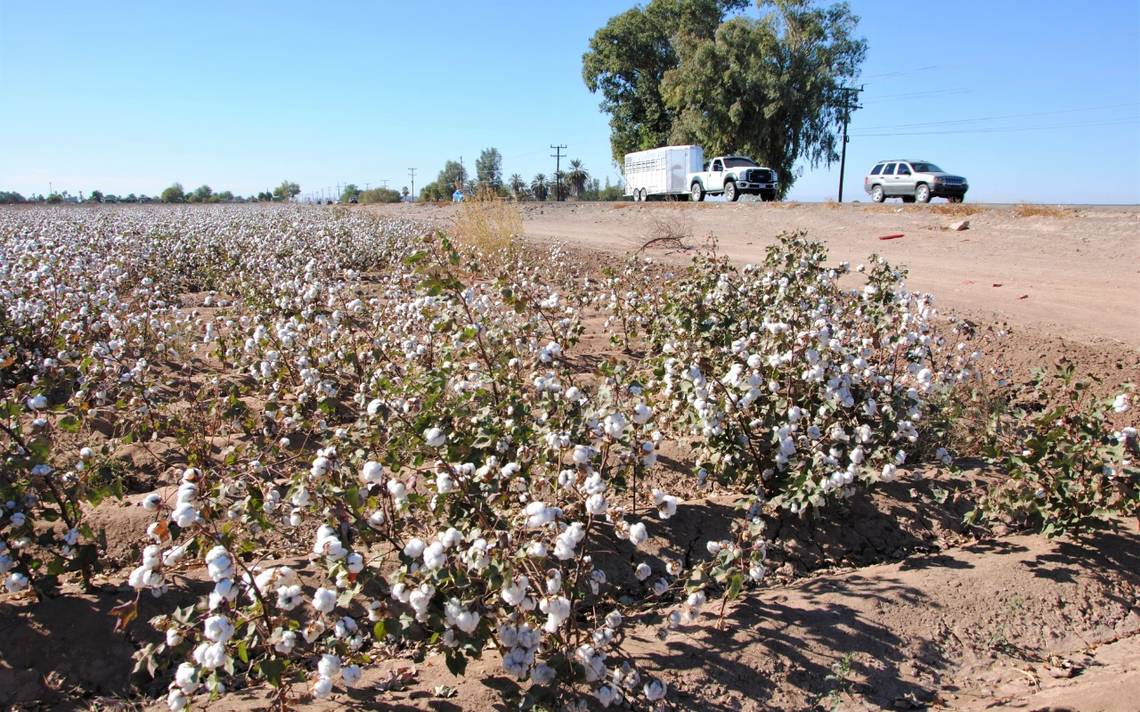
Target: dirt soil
(889, 603)
(1070, 272)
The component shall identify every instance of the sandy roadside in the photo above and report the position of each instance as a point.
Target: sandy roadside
(1075, 276)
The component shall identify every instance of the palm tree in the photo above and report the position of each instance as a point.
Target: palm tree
(538, 187)
(577, 177)
(518, 185)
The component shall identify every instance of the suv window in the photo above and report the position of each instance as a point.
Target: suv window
(877, 169)
(889, 169)
(903, 170)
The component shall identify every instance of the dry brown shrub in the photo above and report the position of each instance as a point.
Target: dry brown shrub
(1025, 210)
(956, 209)
(670, 231)
(488, 223)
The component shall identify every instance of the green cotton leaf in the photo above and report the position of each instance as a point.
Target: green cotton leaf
(380, 630)
(271, 670)
(243, 652)
(69, 423)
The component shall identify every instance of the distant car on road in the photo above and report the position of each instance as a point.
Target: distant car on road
(913, 180)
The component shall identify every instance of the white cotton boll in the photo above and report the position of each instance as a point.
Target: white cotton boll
(322, 688)
(38, 402)
(420, 599)
(444, 482)
(328, 666)
(176, 700)
(287, 642)
(573, 394)
(152, 502)
(451, 537)
(354, 562)
(582, 454)
(374, 407)
(184, 515)
(536, 550)
(217, 629)
(596, 504)
(414, 548)
(376, 519)
(514, 592)
(642, 413)
(637, 534)
(319, 468)
(186, 678)
(351, 674)
(666, 504)
(434, 558)
(888, 473)
(210, 655)
(655, 690)
(614, 425)
(643, 571)
(1120, 403)
(434, 437)
(324, 600)
(219, 564)
(372, 473)
(17, 582)
(557, 610)
(288, 597)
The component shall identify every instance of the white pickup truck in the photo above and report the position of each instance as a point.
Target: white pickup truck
(681, 172)
(733, 176)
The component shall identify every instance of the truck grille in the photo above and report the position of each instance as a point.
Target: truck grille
(760, 176)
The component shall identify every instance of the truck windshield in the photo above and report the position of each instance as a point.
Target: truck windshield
(738, 162)
(926, 168)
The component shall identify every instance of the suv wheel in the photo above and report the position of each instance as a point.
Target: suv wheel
(922, 193)
(730, 193)
(877, 194)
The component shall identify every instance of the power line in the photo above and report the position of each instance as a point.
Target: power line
(557, 156)
(412, 173)
(1010, 129)
(998, 118)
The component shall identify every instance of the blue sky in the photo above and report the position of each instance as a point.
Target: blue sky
(1032, 101)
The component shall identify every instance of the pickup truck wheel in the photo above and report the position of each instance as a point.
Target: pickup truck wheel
(922, 193)
(698, 192)
(877, 194)
(730, 193)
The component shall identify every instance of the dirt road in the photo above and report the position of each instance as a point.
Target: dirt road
(1074, 273)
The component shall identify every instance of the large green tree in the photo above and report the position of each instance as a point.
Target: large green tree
(576, 177)
(286, 191)
(766, 87)
(489, 169)
(453, 176)
(627, 61)
(173, 194)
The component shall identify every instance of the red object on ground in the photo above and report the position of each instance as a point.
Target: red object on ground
(1024, 296)
(997, 284)
(892, 236)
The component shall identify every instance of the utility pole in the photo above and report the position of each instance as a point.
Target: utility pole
(850, 103)
(557, 156)
(412, 173)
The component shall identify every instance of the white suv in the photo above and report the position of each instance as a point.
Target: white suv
(913, 180)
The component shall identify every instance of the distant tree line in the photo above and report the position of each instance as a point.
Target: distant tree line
(575, 183)
(174, 194)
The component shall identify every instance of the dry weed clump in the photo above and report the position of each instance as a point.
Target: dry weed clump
(488, 223)
(670, 232)
(1024, 210)
(956, 209)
